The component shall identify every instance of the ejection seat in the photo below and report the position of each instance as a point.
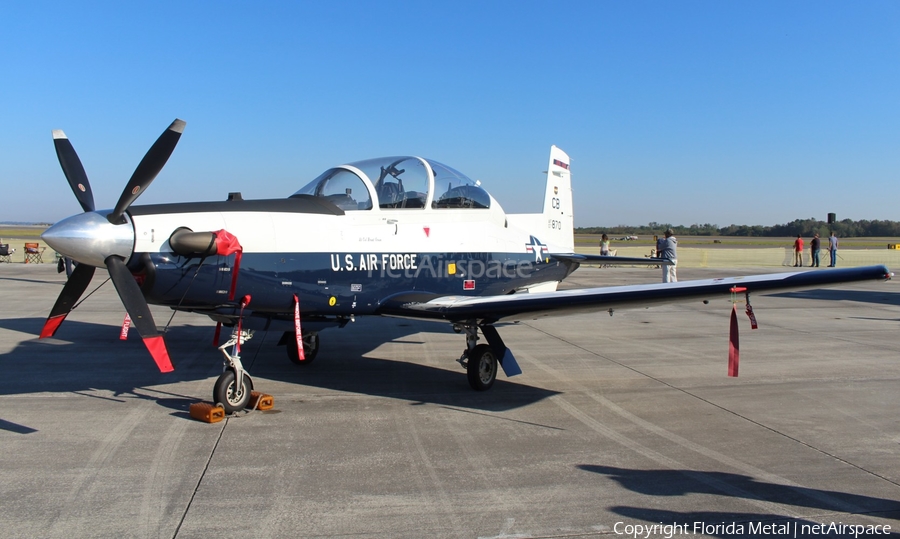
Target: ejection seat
(390, 195)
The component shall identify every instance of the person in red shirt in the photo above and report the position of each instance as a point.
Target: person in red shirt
(798, 252)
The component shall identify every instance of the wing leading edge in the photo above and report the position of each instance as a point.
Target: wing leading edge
(490, 309)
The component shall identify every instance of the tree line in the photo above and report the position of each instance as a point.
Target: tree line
(804, 227)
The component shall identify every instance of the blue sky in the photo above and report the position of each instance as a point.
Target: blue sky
(674, 112)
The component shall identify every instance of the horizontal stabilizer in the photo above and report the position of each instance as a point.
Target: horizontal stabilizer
(612, 260)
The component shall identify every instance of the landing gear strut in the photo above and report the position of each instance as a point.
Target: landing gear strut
(479, 360)
(233, 387)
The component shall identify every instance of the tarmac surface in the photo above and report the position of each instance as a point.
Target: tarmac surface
(617, 422)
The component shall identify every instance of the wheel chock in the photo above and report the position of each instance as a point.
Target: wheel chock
(206, 412)
(260, 401)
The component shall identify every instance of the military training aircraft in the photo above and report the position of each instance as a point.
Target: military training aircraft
(395, 236)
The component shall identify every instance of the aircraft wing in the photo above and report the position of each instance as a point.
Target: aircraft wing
(490, 309)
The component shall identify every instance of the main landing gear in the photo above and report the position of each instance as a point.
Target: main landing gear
(310, 348)
(233, 387)
(479, 360)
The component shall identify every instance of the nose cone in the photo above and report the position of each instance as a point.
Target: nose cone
(89, 238)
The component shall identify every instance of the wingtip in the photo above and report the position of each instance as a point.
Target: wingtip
(59, 135)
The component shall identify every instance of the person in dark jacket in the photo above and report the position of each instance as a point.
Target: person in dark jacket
(814, 246)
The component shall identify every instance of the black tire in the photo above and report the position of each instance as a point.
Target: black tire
(481, 368)
(223, 392)
(310, 349)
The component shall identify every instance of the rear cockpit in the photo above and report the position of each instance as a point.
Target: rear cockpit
(397, 183)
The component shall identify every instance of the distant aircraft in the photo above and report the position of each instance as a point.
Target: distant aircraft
(395, 236)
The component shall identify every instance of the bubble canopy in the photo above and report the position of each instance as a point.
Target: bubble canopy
(397, 183)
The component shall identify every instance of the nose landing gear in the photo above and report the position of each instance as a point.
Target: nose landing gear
(233, 387)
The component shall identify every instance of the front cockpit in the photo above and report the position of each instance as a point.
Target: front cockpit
(341, 187)
(397, 183)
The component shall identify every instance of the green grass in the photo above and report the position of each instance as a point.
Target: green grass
(21, 232)
(737, 241)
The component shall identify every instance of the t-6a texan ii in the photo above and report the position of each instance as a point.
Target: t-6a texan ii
(395, 236)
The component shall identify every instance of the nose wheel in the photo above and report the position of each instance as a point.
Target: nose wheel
(232, 397)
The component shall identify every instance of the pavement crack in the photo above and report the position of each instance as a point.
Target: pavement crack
(212, 452)
(200, 479)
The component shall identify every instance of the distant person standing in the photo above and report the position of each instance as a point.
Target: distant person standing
(798, 252)
(604, 245)
(832, 249)
(814, 251)
(65, 264)
(667, 251)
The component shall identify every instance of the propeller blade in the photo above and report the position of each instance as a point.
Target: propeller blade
(74, 288)
(147, 170)
(73, 170)
(136, 305)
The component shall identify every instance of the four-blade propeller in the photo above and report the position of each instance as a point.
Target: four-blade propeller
(75, 238)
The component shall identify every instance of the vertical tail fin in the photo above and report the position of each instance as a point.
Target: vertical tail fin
(555, 225)
(558, 211)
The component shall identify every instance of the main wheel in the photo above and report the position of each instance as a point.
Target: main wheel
(310, 349)
(224, 392)
(481, 367)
